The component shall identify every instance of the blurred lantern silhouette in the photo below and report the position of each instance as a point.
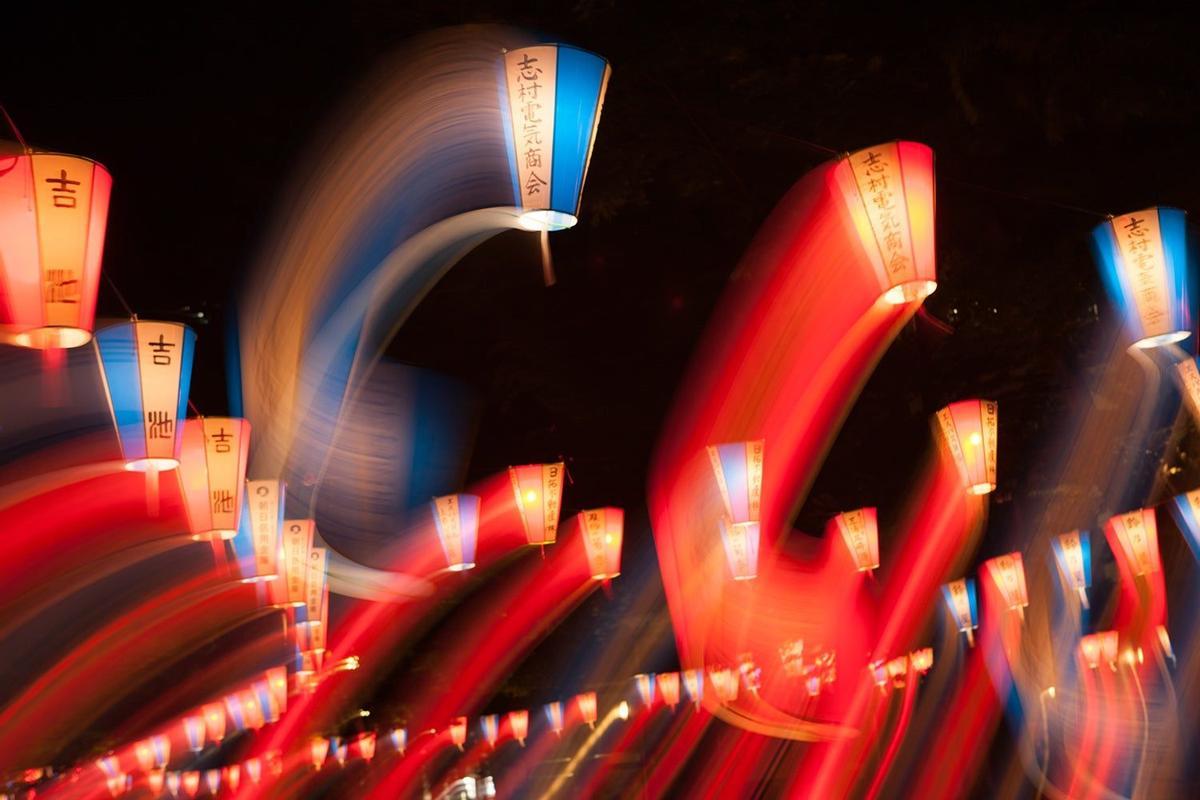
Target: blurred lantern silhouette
(693, 682)
(490, 725)
(1143, 259)
(147, 369)
(214, 722)
(738, 469)
(1186, 508)
(457, 519)
(399, 739)
(1136, 533)
(253, 769)
(897, 670)
(339, 748)
(155, 780)
(555, 93)
(212, 779)
(554, 715)
(193, 732)
(969, 429)
(268, 709)
(963, 604)
(191, 783)
(860, 532)
(538, 491)
(365, 744)
(318, 748)
(1008, 571)
(645, 688)
(109, 765)
(278, 684)
(741, 549)
(212, 471)
(173, 783)
(602, 532)
(587, 707)
(458, 731)
(1073, 553)
(519, 722)
(623, 710)
(668, 687)
(53, 215)
(232, 776)
(921, 660)
(119, 784)
(889, 193)
(298, 537)
(1189, 384)
(152, 752)
(317, 599)
(750, 672)
(1098, 648)
(812, 685)
(259, 541)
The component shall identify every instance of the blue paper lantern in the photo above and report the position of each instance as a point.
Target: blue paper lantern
(147, 370)
(962, 601)
(1186, 510)
(457, 519)
(1073, 552)
(554, 95)
(1144, 262)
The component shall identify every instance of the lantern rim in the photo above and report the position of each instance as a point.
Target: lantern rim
(546, 219)
(909, 292)
(1150, 342)
(981, 488)
(155, 464)
(745, 577)
(49, 337)
(260, 578)
(463, 567)
(215, 534)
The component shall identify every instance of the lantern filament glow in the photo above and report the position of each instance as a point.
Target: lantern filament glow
(603, 529)
(457, 519)
(538, 489)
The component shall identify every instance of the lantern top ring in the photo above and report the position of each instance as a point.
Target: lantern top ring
(909, 292)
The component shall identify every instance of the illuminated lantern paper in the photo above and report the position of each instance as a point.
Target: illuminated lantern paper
(53, 214)
(1073, 553)
(109, 765)
(725, 684)
(318, 748)
(738, 469)
(155, 780)
(1137, 534)
(922, 660)
(366, 745)
(1186, 508)
(969, 430)
(458, 731)
(1189, 379)
(253, 769)
(889, 194)
(554, 715)
(741, 549)
(278, 682)
(457, 519)
(118, 784)
(519, 722)
(399, 739)
(173, 783)
(1143, 259)
(1098, 648)
(340, 750)
(152, 752)
(214, 721)
(962, 600)
(191, 783)
(259, 557)
(897, 670)
(751, 672)
(212, 779)
(668, 686)
(144, 754)
(490, 725)
(554, 95)
(193, 733)
(693, 683)
(212, 470)
(645, 688)
(264, 703)
(297, 545)
(813, 685)
(538, 491)
(860, 532)
(1164, 640)
(1008, 571)
(233, 777)
(147, 369)
(317, 598)
(587, 708)
(602, 531)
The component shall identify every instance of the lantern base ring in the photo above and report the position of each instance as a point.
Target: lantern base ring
(981, 488)
(152, 464)
(461, 567)
(259, 578)
(49, 337)
(1151, 342)
(546, 220)
(909, 292)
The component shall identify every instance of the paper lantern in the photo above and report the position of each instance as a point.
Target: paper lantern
(340, 749)
(519, 722)
(193, 732)
(318, 749)
(458, 731)
(740, 543)
(725, 684)
(860, 532)
(888, 191)
(366, 745)
(969, 430)
(253, 769)
(1098, 648)
(668, 686)
(587, 708)
(265, 704)
(1186, 508)
(1189, 383)
(191, 783)
(457, 519)
(119, 784)
(554, 95)
(645, 688)
(738, 469)
(260, 544)
(1143, 259)
(490, 725)
(812, 685)
(693, 683)
(1073, 553)
(1008, 571)
(962, 600)
(538, 491)
(750, 672)
(399, 739)
(147, 369)
(214, 722)
(921, 660)
(152, 752)
(317, 599)
(212, 779)
(278, 682)
(554, 715)
(897, 670)
(155, 780)
(298, 537)
(109, 765)
(53, 215)
(232, 777)
(212, 471)
(173, 783)
(602, 531)
(1136, 532)
(144, 755)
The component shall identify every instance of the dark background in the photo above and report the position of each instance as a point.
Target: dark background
(1041, 124)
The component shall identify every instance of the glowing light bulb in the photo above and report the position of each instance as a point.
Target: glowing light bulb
(975, 439)
(531, 496)
(623, 710)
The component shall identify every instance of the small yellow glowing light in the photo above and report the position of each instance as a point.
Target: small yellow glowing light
(531, 496)
(975, 439)
(362, 712)
(1050, 692)
(608, 538)
(623, 710)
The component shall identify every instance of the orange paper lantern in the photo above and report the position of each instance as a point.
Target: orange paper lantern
(538, 491)
(969, 430)
(602, 532)
(212, 470)
(860, 532)
(1136, 533)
